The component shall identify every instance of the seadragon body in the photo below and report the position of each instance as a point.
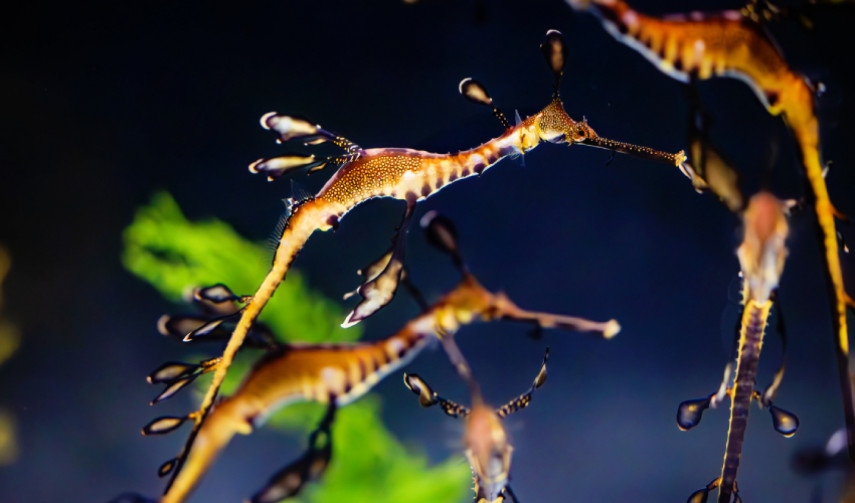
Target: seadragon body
(337, 374)
(365, 174)
(761, 257)
(407, 174)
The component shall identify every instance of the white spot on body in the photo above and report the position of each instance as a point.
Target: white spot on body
(732, 15)
(394, 347)
(334, 378)
(630, 18)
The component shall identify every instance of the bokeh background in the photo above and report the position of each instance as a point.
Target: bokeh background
(102, 107)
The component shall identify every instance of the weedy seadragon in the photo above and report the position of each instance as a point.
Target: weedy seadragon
(699, 46)
(400, 173)
(488, 448)
(331, 374)
(761, 257)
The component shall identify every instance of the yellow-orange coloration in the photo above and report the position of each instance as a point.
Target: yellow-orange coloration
(407, 174)
(730, 44)
(761, 258)
(342, 372)
(488, 451)
(411, 175)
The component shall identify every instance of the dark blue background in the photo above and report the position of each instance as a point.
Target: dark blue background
(101, 107)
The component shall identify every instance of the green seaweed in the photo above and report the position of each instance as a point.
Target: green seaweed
(369, 464)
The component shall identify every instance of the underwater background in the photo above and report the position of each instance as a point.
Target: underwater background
(102, 108)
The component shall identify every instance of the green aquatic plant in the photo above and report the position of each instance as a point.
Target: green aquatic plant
(174, 254)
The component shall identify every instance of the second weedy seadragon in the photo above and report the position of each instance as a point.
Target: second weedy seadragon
(488, 448)
(733, 43)
(761, 258)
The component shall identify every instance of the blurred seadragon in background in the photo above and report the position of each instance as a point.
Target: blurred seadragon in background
(487, 445)
(761, 257)
(165, 249)
(734, 43)
(333, 374)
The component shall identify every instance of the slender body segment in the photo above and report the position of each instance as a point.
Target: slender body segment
(407, 174)
(754, 322)
(700, 46)
(337, 374)
(761, 259)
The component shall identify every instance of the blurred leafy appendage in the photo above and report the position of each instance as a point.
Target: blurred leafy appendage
(10, 339)
(173, 254)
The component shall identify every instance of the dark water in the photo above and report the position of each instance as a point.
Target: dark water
(101, 107)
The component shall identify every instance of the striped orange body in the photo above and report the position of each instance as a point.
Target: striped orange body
(341, 372)
(411, 175)
(728, 44)
(702, 46)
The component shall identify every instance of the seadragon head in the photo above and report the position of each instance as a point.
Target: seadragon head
(554, 125)
(763, 250)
